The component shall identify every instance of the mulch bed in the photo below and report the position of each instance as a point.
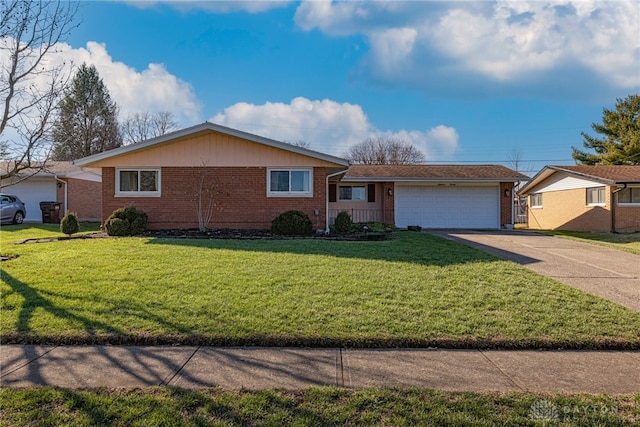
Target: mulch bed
(257, 234)
(214, 234)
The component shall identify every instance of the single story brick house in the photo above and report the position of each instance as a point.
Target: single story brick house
(77, 190)
(252, 179)
(429, 196)
(584, 198)
(255, 179)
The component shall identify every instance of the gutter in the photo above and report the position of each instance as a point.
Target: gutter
(326, 190)
(66, 206)
(613, 207)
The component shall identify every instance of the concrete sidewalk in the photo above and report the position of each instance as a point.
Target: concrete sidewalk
(297, 368)
(609, 273)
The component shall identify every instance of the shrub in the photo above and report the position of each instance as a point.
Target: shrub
(343, 223)
(292, 223)
(69, 224)
(126, 222)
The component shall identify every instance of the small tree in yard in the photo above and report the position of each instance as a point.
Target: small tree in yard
(204, 199)
(69, 224)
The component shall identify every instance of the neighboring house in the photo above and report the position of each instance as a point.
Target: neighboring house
(76, 189)
(252, 179)
(429, 196)
(585, 198)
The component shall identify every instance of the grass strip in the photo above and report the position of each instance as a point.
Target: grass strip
(311, 407)
(629, 242)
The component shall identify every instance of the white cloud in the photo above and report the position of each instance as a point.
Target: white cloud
(328, 126)
(498, 42)
(152, 89)
(392, 48)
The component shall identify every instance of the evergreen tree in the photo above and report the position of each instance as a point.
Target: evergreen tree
(88, 122)
(620, 144)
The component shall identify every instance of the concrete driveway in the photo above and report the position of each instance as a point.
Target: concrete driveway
(608, 273)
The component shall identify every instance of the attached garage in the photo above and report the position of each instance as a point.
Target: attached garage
(76, 189)
(441, 196)
(447, 206)
(33, 191)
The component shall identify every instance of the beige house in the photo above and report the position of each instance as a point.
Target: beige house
(584, 198)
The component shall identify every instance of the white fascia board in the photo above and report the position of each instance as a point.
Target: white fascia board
(399, 179)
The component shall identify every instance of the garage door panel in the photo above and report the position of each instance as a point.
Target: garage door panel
(32, 192)
(446, 207)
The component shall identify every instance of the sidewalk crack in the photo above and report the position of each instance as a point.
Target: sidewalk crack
(339, 369)
(511, 380)
(177, 371)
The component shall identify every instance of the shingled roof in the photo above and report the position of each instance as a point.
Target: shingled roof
(432, 173)
(614, 173)
(604, 174)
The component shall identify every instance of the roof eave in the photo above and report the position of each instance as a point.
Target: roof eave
(547, 171)
(425, 179)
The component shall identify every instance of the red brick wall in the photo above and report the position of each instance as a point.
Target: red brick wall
(388, 202)
(506, 203)
(83, 198)
(242, 200)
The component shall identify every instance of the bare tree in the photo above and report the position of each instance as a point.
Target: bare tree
(30, 87)
(300, 143)
(384, 150)
(206, 196)
(142, 126)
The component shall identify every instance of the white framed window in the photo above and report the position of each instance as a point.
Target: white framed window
(596, 196)
(536, 200)
(284, 182)
(357, 193)
(629, 196)
(138, 182)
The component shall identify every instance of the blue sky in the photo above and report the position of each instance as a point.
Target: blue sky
(464, 81)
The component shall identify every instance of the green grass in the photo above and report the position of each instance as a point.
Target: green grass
(311, 407)
(12, 233)
(629, 242)
(414, 290)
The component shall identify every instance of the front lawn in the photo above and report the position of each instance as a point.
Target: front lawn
(11, 233)
(311, 407)
(629, 242)
(414, 290)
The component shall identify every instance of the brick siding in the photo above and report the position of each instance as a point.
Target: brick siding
(241, 200)
(627, 218)
(83, 198)
(506, 203)
(568, 210)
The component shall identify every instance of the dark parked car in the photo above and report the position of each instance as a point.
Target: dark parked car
(12, 210)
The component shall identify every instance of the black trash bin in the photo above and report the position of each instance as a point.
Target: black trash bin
(50, 212)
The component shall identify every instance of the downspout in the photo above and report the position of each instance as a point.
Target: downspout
(613, 207)
(66, 206)
(326, 216)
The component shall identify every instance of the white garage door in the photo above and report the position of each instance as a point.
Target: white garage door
(447, 206)
(33, 191)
